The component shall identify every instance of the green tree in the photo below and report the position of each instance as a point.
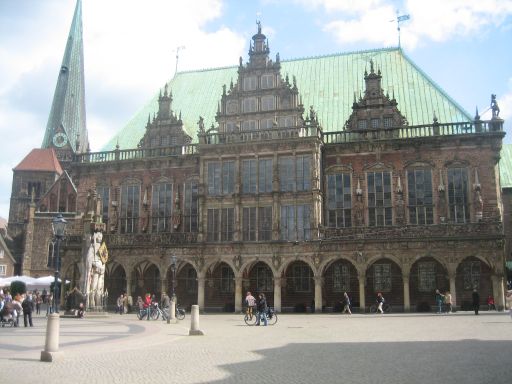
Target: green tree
(18, 287)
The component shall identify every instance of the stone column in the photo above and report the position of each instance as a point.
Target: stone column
(362, 295)
(277, 294)
(163, 285)
(128, 284)
(407, 299)
(318, 294)
(453, 292)
(238, 294)
(498, 292)
(200, 292)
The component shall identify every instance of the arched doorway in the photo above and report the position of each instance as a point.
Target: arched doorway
(147, 280)
(185, 286)
(220, 288)
(427, 275)
(385, 276)
(298, 288)
(115, 283)
(339, 277)
(472, 273)
(259, 279)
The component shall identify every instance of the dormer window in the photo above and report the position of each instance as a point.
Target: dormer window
(250, 83)
(268, 103)
(267, 81)
(375, 123)
(388, 122)
(362, 124)
(249, 104)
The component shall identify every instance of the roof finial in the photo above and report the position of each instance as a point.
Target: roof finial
(371, 66)
(165, 90)
(259, 25)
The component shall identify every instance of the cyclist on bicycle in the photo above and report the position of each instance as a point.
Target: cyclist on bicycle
(262, 310)
(380, 302)
(250, 302)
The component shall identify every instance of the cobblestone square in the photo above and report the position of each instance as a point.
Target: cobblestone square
(321, 348)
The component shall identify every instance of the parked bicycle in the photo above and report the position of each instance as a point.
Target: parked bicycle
(155, 312)
(385, 307)
(251, 319)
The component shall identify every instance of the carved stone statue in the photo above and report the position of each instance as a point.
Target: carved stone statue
(494, 107)
(95, 260)
(200, 123)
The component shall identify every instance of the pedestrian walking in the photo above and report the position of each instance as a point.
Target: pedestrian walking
(448, 301)
(39, 301)
(380, 302)
(28, 308)
(250, 303)
(120, 305)
(439, 301)
(346, 304)
(476, 301)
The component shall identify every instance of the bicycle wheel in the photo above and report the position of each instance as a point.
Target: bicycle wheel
(373, 309)
(155, 314)
(388, 309)
(180, 313)
(272, 318)
(141, 314)
(250, 320)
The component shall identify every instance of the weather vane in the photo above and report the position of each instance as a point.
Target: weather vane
(178, 49)
(400, 19)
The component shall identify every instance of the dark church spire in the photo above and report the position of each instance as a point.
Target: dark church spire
(66, 128)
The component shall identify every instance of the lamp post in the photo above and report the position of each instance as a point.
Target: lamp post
(51, 347)
(59, 229)
(174, 260)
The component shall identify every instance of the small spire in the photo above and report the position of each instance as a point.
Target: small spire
(180, 116)
(117, 144)
(231, 85)
(477, 116)
(278, 60)
(435, 118)
(371, 66)
(224, 89)
(165, 90)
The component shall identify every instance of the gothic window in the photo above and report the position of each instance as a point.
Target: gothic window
(295, 173)
(230, 126)
(104, 194)
(130, 200)
(250, 105)
(227, 279)
(301, 276)
(458, 194)
(379, 199)
(191, 206)
(250, 83)
(34, 187)
(265, 223)
(286, 121)
(267, 81)
(220, 224)
(161, 207)
(339, 201)
(375, 123)
(382, 277)
(362, 124)
(426, 276)
(340, 278)
(268, 103)
(266, 123)
(265, 175)
(221, 178)
(295, 222)
(191, 280)
(249, 224)
(264, 279)
(471, 273)
(232, 107)
(249, 125)
(420, 199)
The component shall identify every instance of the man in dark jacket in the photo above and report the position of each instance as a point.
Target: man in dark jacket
(28, 307)
(262, 309)
(476, 301)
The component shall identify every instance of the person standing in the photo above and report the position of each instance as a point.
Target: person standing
(250, 302)
(448, 301)
(28, 308)
(346, 303)
(38, 303)
(439, 301)
(476, 301)
(166, 305)
(262, 310)
(147, 304)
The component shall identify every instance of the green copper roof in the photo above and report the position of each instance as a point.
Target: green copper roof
(68, 106)
(506, 166)
(328, 83)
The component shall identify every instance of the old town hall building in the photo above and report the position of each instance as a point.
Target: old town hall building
(302, 179)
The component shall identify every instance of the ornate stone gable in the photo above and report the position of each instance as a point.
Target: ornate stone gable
(374, 110)
(165, 129)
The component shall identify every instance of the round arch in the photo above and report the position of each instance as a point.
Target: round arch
(145, 279)
(258, 278)
(426, 275)
(384, 275)
(185, 285)
(340, 276)
(472, 273)
(115, 283)
(219, 291)
(298, 286)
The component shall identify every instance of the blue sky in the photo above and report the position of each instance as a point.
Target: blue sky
(130, 48)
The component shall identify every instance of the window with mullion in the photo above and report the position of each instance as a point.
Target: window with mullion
(227, 280)
(295, 222)
(249, 176)
(339, 201)
(302, 278)
(340, 278)
(221, 177)
(264, 279)
(382, 277)
(287, 174)
(265, 175)
(191, 206)
(161, 207)
(104, 194)
(471, 271)
(227, 224)
(265, 223)
(212, 225)
(303, 173)
(379, 199)
(249, 224)
(130, 200)
(426, 276)
(228, 177)
(458, 194)
(420, 198)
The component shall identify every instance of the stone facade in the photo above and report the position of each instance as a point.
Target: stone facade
(268, 202)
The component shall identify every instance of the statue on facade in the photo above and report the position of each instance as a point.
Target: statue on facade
(95, 260)
(494, 107)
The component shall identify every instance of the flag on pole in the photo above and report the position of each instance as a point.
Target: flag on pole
(403, 18)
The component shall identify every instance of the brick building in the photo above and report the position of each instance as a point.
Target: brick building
(302, 179)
